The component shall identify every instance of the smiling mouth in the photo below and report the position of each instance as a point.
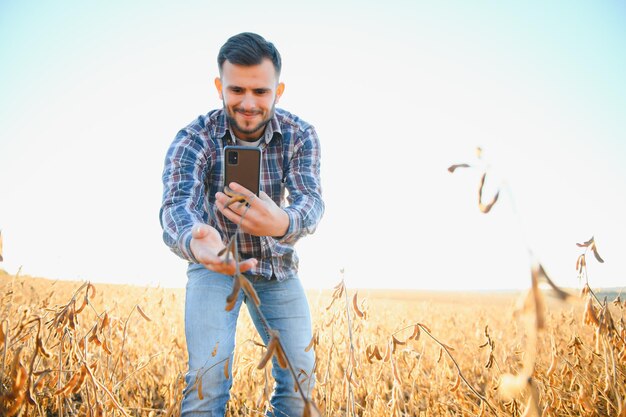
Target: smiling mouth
(248, 113)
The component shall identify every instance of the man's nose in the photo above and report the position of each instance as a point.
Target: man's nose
(248, 102)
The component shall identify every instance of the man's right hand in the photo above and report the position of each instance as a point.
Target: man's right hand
(206, 243)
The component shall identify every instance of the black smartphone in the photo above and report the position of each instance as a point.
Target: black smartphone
(242, 164)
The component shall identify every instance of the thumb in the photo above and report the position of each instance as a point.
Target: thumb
(199, 231)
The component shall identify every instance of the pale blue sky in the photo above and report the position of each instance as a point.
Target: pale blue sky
(92, 95)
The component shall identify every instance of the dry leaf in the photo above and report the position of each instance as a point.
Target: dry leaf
(452, 168)
(586, 244)
(338, 290)
(69, 386)
(311, 410)
(280, 355)
(449, 348)
(235, 197)
(249, 290)
(226, 368)
(41, 349)
(542, 276)
(580, 263)
(83, 305)
(2, 334)
(396, 341)
(355, 305)
(105, 347)
(485, 208)
(416, 333)
(144, 315)
(538, 298)
(594, 249)
(457, 383)
(377, 353)
(271, 347)
(231, 300)
(200, 394)
(314, 341)
(388, 353)
(589, 314)
(92, 288)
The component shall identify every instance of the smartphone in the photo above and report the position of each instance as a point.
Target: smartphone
(242, 164)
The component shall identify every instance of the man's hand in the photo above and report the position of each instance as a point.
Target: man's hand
(206, 244)
(262, 218)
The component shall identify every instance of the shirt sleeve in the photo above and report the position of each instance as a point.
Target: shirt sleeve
(303, 182)
(183, 190)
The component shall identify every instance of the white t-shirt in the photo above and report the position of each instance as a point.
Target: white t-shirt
(251, 144)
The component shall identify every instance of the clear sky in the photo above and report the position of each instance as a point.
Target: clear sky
(91, 95)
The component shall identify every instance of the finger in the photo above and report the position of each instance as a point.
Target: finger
(221, 200)
(221, 268)
(224, 203)
(239, 188)
(228, 268)
(215, 262)
(247, 264)
(199, 231)
(229, 214)
(237, 207)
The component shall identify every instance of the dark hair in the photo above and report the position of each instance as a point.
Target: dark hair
(248, 49)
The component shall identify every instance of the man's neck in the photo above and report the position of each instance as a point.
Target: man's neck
(237, 136)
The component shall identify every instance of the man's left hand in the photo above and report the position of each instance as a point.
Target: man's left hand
(263, 218)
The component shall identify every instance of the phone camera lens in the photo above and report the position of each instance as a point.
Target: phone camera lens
(233, 157)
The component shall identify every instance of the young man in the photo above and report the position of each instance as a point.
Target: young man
(196, 225)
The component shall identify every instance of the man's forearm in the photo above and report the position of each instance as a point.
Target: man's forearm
(183, 188)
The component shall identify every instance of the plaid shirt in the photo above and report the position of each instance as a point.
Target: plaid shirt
(194, 172)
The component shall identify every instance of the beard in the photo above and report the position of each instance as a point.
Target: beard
(238, 128)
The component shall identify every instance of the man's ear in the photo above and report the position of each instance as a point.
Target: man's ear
(218, 85)
(279, 91)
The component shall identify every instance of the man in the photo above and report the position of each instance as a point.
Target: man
(196, 225)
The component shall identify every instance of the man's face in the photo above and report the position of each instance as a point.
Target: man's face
(249, 94)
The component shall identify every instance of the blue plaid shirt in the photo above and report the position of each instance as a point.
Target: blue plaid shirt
(194, 172)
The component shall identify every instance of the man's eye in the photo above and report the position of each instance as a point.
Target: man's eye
(260, 92)
(236, 90)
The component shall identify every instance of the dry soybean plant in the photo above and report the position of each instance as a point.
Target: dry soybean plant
(610, 343)
(241, 283)
(60, 358)
(381, 373)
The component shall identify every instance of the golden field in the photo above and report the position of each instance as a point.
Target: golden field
(69, 348)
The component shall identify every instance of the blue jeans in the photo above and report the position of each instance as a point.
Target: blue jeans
(208, 324)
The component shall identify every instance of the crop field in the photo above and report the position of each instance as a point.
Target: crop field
(71, 348)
